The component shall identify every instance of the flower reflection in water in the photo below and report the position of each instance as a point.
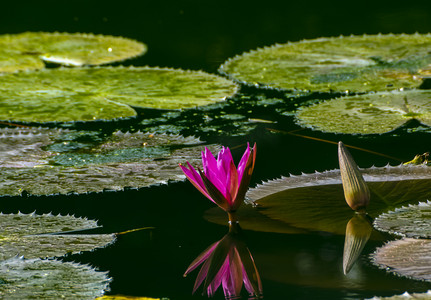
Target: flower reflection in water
(229, 263)
(358, 231)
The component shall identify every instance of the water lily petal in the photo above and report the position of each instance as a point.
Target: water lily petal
(216, 196)
(218, 262)
(231, 184)
(243, 162)
(194, 177)
(355, 188)
(210, 167)
(245, 180)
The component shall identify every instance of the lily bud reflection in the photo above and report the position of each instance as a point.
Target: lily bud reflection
(356, 191)
(358, 231)
(229, 263)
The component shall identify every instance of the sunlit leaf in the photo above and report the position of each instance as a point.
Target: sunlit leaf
(67, 164)
(410, 221)
(40, 236)
(50, 279)
(406, 296)
(316, 201)
(368, 114)
(28, 50)
(104, 93)
(406, 257)
(356, 63)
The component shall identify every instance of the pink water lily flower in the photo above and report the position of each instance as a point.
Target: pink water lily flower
(230, 264)
(220, 181)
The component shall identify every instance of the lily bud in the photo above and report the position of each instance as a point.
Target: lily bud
(356, 191)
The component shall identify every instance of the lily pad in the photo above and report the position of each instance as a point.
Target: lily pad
(406, 296)
(29, 50)
(411, 221)
(118, 161)
(50, 279)
(104, 93)
(368, 114)
(316, 201)
(355, 63)
(406, 257)
(40, 236)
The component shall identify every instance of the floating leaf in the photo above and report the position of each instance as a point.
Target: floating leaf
(356, 63)
(406, 257)
(40, 236)
(316, 201)
(368, 114)
(120, 160)
(410, 221)
(406, 296)
(50, 279)
(104, 93)
(28, 50)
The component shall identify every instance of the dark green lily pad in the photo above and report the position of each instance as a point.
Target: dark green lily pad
(50, 279)
(406, 257)
(29, 50)
(40, 236)
(411, 221)
(316, 201)
(368, 114)
(104, 93)
(356, 63)
(61, 163)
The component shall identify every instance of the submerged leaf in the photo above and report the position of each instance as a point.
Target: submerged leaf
(406, 257)
(50, 279)
(66, 164)
(28, 50)
(316, 202)
(40, 236)
(410, 221)
(105, 93)
(356, 63)
(368, 114)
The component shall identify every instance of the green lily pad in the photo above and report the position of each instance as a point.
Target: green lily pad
(60, 164)
(50, 279)
(41, 236)
(316, 201)
(29, 50)
(368, 114)
(356, 63)
(411, 221)
(406, 257)
(405, 296)
(104, 93)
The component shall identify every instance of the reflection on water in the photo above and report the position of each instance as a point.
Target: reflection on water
(358, 231)
(229, 263)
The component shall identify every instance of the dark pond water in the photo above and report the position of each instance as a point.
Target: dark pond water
(198, 35)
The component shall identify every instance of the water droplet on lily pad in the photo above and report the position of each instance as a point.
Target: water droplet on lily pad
(368, 114)
(31, 235)
(50, 279)
(29, 50)
(355, 63)
(105, 93)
